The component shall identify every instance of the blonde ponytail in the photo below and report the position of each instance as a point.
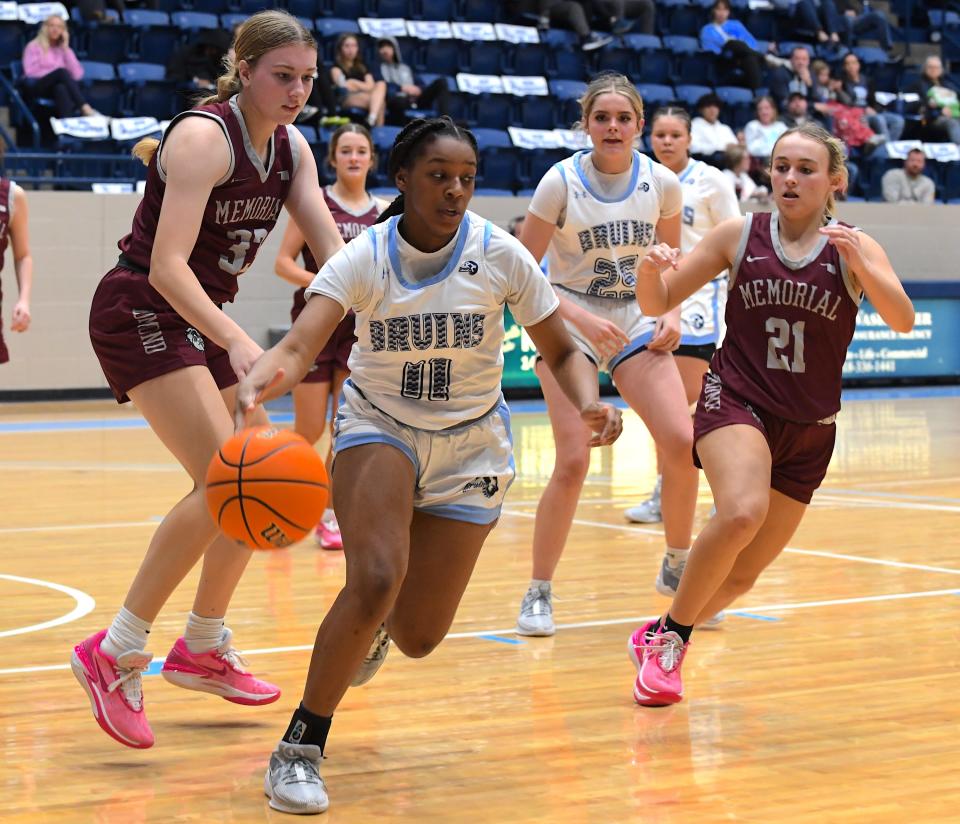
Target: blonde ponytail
(145, 149)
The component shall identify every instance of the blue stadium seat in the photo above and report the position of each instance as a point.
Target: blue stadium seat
(698, 69)
(95, 70)
(492, 139)
(333, 26)
(871, 55)
(527, 60)
(484, 57)
(642, 42)
(11, 42)
(434, 10)
(499, 171)
(689, 94)
(656, 66)
(392, 8)
(951, 183)
(153, 99)
(480, 11)
(624, 61)
(738, 107)
(535, 164)
(231, 19)
(383, 137)
(143, 18)
(569, 65)
(682, 20)
(194, 20)
(110, 43)
(133, 73)
(442, 56)
(156, 44)
(346, 9)
(567, 89)
(211, 6)
(560, 39)
(304, 8)
(680, 45)
(761, 23)
(656, 94)
(494, 111)
(106, 96)
(538, 113)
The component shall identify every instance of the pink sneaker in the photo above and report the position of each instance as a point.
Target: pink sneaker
(657, 657)
(115, 690)
(328, 535)
(220, 671)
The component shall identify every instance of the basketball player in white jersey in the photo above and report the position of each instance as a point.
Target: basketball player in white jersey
(595, 214)
(708, 199)
(422, 439)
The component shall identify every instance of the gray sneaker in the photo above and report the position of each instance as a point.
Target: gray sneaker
(292, 781)
(646, 513)
(536, 611)
(668, 578)
(375, 658)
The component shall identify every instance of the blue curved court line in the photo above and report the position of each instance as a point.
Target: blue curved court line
(501, 639)
(98, 424)
(754, 616)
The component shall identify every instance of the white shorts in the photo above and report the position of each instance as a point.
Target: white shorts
(624, 313)
(463, 473)
(701, 316)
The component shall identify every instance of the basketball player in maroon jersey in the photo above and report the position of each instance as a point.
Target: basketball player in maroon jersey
(764, 427)
(351, 155)
(14, 229)
(215, 186)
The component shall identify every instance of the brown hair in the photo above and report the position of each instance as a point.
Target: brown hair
(608, 83)
(836, 168)
(259, 34)
(358, 63)
(351, 128)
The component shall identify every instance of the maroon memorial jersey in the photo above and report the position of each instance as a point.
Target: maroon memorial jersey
(789, 323)
(350, 225)
(242, 208)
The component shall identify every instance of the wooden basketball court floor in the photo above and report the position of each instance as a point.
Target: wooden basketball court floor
(830, 695)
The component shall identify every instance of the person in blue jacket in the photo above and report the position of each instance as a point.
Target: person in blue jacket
(733, 43)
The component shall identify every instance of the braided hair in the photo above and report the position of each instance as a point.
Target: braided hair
(410, 143)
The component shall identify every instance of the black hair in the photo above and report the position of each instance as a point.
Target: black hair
(411, 141)
(678, 112)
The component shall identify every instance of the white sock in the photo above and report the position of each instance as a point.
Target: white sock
(676, 556)
(203, 634)
(126, 633)
(329, 516)
(536, 582)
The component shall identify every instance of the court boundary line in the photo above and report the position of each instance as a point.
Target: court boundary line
(85, 605)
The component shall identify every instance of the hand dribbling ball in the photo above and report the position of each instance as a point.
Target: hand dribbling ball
(267, 487)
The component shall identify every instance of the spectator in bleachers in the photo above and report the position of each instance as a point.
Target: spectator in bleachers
(566, 14)
(941, 108)
(629, 15)
(402, 90)
(855, 19)
(196, 65)
(709, 138)
(356, 85)
(733, 43)
(856, 90)
(795, 77)
(797, 112)
(95, 11)
(738, 170)
(808, 17)
(761, 134)
(909, 184)
(51, 69)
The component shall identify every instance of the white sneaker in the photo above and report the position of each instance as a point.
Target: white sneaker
(375, 658)
(292, 781)
(536, 611)
(649, 511)
(715, 621)
(668, 578)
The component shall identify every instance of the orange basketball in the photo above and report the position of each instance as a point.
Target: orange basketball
(267, 487)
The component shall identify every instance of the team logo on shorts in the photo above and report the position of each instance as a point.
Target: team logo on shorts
(195, 338)
(469, 266)
(487, 485)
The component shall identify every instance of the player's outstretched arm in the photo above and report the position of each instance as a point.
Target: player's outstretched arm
(577, 378)
(665, 281)
(873, 272)
(281, 368)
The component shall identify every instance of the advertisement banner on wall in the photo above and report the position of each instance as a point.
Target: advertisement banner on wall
(930, 350)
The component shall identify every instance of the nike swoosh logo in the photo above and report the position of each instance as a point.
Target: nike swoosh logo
(751, 258)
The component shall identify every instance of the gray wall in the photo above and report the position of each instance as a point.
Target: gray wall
(74, 236)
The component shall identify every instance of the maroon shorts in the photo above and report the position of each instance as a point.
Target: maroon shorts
(334, 356)
(800, 452)
(137, 336)
(4, 354)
